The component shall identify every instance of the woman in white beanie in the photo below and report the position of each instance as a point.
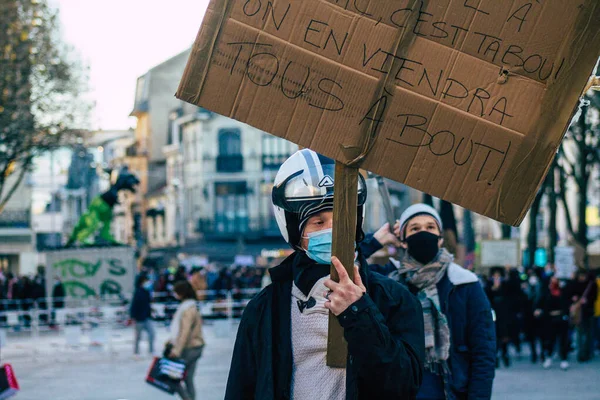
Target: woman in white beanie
(460, 344)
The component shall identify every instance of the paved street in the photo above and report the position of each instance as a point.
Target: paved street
(53, 372)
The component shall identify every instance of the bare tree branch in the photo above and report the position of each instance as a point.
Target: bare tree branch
(12, 190)
(563, 199)
(40, 86)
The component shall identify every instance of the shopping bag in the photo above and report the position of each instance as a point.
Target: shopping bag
(166, 374)
(8, 382)
(174, 369)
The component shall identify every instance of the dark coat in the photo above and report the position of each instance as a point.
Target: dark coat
(578, 289)
(501, 303)
(473, 335)
(58, 295)
(551, 304)
(472, 359)
(384, 331)
(141, 310)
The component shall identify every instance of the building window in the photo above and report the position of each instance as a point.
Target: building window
(275, 151)
(230, 151)
(231, 207)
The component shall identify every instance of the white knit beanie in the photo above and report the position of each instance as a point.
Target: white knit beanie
(413, 211)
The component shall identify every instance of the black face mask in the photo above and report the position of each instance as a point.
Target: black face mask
(423, 246)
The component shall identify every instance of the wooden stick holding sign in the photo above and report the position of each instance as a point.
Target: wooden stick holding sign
(345, 203)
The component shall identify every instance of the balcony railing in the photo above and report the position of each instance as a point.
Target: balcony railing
(230, 164)
(273, 162)
(15, 219)
(232, 228)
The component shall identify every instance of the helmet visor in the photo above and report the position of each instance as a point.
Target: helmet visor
(306, 190)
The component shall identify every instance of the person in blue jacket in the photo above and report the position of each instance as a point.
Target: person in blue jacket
(141, 312)
(460, 339)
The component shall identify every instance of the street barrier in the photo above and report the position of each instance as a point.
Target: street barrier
(91, 324)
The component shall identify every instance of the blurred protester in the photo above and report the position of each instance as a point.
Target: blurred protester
(58, 293)
(223, 283)
(58, 298)
(532, 324)
(517, 302)
(498, 295)
(167, 295)
(186, 340)
(141, 312)
(554, 311)
(181, 274)
(198, 282)
(212, 274)
(26, 299)
(38, 293)
(160, 287)
(583, 292)
(13, 291)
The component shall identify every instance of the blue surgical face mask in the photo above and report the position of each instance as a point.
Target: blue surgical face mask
(319, 246)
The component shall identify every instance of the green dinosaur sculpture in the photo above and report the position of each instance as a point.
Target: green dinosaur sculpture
(98, 216)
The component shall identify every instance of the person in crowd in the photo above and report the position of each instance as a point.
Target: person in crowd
(223, 283)
(40, 276)
(532, 323)
(26, 299)
(141, 313)
(198, 282)
(58, 297)
(212, 273)
(583, 291)
(281, 345)
(2, 291)
(497, 293)
(58, 293)
(517, 301)
(554, 312)
(13, 291)
(160, 288)
(171, 276)
(168, 294)
(186, 340)
(38, 293)
(181, 274)
(460, 337)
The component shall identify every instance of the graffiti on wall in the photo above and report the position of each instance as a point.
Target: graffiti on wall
(94, 276)
(73, 272)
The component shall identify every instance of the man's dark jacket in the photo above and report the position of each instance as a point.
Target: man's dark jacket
(473, 335)
(384, 331)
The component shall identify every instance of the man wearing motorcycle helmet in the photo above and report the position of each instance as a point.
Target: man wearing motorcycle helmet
(281, 346)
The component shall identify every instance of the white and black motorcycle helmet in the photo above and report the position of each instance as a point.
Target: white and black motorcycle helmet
(303, 187)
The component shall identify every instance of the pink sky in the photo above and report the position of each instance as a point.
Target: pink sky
(121, 40)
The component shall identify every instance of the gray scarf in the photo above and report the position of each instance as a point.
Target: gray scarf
(437, 331)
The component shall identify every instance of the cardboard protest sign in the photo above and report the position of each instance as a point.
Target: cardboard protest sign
(564, 262)
(466, 100)
(500, 253)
